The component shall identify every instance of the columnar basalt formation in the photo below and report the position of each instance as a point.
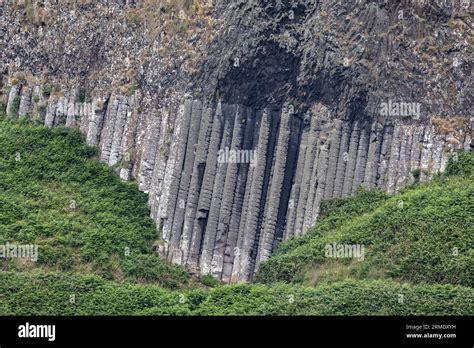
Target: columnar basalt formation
(225, 217)
(289, 91)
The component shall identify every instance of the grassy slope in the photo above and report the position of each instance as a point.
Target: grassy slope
(82, 216)
(83, 247)
(424, 234)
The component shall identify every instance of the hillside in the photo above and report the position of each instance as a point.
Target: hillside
(83, 218)
(422, 235)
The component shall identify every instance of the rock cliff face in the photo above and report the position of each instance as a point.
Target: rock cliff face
(287, 104)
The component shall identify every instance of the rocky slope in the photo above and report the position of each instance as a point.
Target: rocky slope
(323, 96)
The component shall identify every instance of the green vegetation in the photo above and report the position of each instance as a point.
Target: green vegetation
(209, 280)
(132, 88)
(3, 111)
(82, 95)
(15, 107)
(82, 216)
(50, 294)
(46, 90)
(424, 234)
(96, 242)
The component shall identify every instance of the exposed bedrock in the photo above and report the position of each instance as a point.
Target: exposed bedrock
(228, 183)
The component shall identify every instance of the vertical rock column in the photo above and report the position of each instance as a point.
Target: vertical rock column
(309, 163)
(185, 180)
(351, 160)
(242, 270)
(206, 191)
(71, 108)
(96, 120)
(384, 156)
(12, 99)
(25, 107)
(296, 188)
(343, 159)
(168, 205)
(199, 167)
(240, 201)
(229, 193)
(109, 126)
(150, 149)
(207, 251)
(373, 155)
(334, 158)
(160, 165)
(273, 204)
(128, 140)
(118, 133)
(393, 165)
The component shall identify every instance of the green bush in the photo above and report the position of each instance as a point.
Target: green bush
(63, 294)
(46, 90)
(150, 268)
(209, 280)
(342, 298)
(461, 163)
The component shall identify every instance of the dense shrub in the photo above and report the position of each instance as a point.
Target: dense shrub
(461, 163)
(61, 294)
(209, 281)
(342, 298)
(150, 268)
